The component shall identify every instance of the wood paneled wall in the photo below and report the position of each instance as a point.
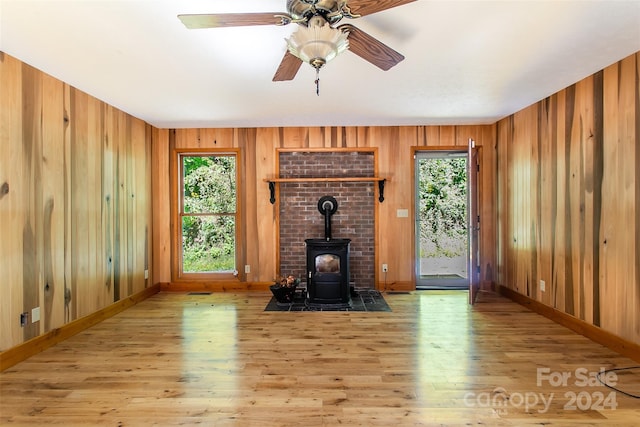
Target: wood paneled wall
(395, 147)
(75, 202)
(559, 189)
(569, 200)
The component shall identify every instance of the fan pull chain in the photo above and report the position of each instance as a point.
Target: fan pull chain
(317, 81)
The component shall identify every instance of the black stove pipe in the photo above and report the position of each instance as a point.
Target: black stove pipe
(327, 226)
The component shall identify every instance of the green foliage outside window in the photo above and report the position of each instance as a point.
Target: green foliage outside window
(442, 205)
(209, 209)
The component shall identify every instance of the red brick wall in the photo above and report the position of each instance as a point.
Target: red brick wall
(354, 219)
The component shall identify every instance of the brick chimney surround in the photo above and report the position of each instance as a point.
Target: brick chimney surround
(354, 219)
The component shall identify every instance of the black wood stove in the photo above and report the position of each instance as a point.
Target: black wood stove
(328, 264)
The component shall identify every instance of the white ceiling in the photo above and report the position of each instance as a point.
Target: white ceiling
(467, 62)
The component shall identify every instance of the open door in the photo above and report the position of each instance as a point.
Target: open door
(474, 222)
(442, 219)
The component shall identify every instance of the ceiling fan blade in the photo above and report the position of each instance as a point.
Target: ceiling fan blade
(218, 20)
(371, 49)
(288, 67)
(367, 7)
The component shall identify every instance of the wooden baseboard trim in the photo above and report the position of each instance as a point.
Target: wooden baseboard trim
(396, 286)
(620, 345)
(17, 354)
(221, 286)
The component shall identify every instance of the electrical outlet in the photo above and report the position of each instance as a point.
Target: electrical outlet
(24, 319)
(146, 274)
(385, 268)
(542, 286)
(247, 269)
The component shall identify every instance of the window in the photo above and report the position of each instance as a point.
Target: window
(207, 213)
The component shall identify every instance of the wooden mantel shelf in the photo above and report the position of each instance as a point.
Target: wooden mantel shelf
(381, 181)
(327, 179)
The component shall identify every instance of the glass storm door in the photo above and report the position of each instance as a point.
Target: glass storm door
(442, 218)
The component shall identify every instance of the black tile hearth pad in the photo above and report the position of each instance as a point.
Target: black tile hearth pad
(362, 300)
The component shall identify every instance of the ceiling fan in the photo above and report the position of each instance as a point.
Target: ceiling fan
(319, 39)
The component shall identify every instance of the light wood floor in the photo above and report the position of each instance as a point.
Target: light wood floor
(220, 360)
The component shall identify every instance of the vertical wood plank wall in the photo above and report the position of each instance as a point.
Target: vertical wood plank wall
(80, 181)
(569, 200)
(75, 202)
(395, 146)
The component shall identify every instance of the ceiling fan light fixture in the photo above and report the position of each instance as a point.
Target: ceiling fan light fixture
(318, 43)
